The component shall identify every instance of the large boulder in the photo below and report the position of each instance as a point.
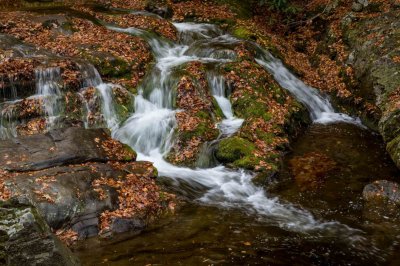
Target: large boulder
(375, 57)
(82, 180)
(25, 239)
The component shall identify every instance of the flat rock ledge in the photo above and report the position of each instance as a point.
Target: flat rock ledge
(76, 183)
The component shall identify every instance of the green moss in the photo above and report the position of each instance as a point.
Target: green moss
(233, 149)
(247, 162)
(132, 154)
(248, 106)
(108, 65)
(243, 33)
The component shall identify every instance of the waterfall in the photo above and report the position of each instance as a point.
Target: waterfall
(150, 131)
(230, 125)
(321, 110)
(48, 83)
(90, 76)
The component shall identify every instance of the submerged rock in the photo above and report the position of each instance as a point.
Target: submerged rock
(311, 169)
(27, 240)
(382, 190)
(382, 201)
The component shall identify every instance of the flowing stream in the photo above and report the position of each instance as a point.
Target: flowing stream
(150, 129)
(229, 220)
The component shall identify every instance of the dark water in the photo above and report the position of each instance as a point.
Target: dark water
(204, 235)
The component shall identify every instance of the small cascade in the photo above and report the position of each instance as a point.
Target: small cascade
(150, 132)
(321, 110)
(90, 76)
(48, 84)
(8, 126)
(230, 124)
(108, 110)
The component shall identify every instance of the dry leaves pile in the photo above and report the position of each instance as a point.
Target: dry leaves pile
(202, 11)
(84, 38)
(161, 26)
(68, 237)
(138, 196)
(5, 194)
(116, 149)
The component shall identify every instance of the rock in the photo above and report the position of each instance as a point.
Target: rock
(66, 195)
(73, 176)
(25, 239)
(81, 180)
(256, 98)
(363, 2)
(75, 196)
(310, 170)
(382, 190)
(160, 8)
(382, 201)
(375, 60)
(59, 147)
(357, 7)
(197, 115)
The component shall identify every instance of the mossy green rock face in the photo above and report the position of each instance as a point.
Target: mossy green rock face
(25, 239)
(271, 117)
(233, 149)
(375, 57)
(108, 65)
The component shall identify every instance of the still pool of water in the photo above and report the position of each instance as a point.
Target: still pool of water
(198, 234)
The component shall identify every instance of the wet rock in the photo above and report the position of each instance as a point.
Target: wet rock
(365, 3)
(160, 8)
(382, 201)
(269, 114)
(357, 7)
(66, 196)
(376, 64)
(25, 239)
(197, 117)
(81, 181)
(382, 190)
(59, 147)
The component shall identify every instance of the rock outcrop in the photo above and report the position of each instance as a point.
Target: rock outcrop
(25, 239)
(81, 180)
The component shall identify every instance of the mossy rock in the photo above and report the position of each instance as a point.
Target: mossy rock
(108, 65)
(235, 149)
(243, 33)
(131, 154)
(393, 147)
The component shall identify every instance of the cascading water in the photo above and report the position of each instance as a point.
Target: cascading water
(150, 131)
(231, 124)
(321, 110)
(48, 90)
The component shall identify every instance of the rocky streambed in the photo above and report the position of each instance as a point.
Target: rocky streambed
(112, 113)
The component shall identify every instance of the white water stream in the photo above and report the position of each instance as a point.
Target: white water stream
(151, 128)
